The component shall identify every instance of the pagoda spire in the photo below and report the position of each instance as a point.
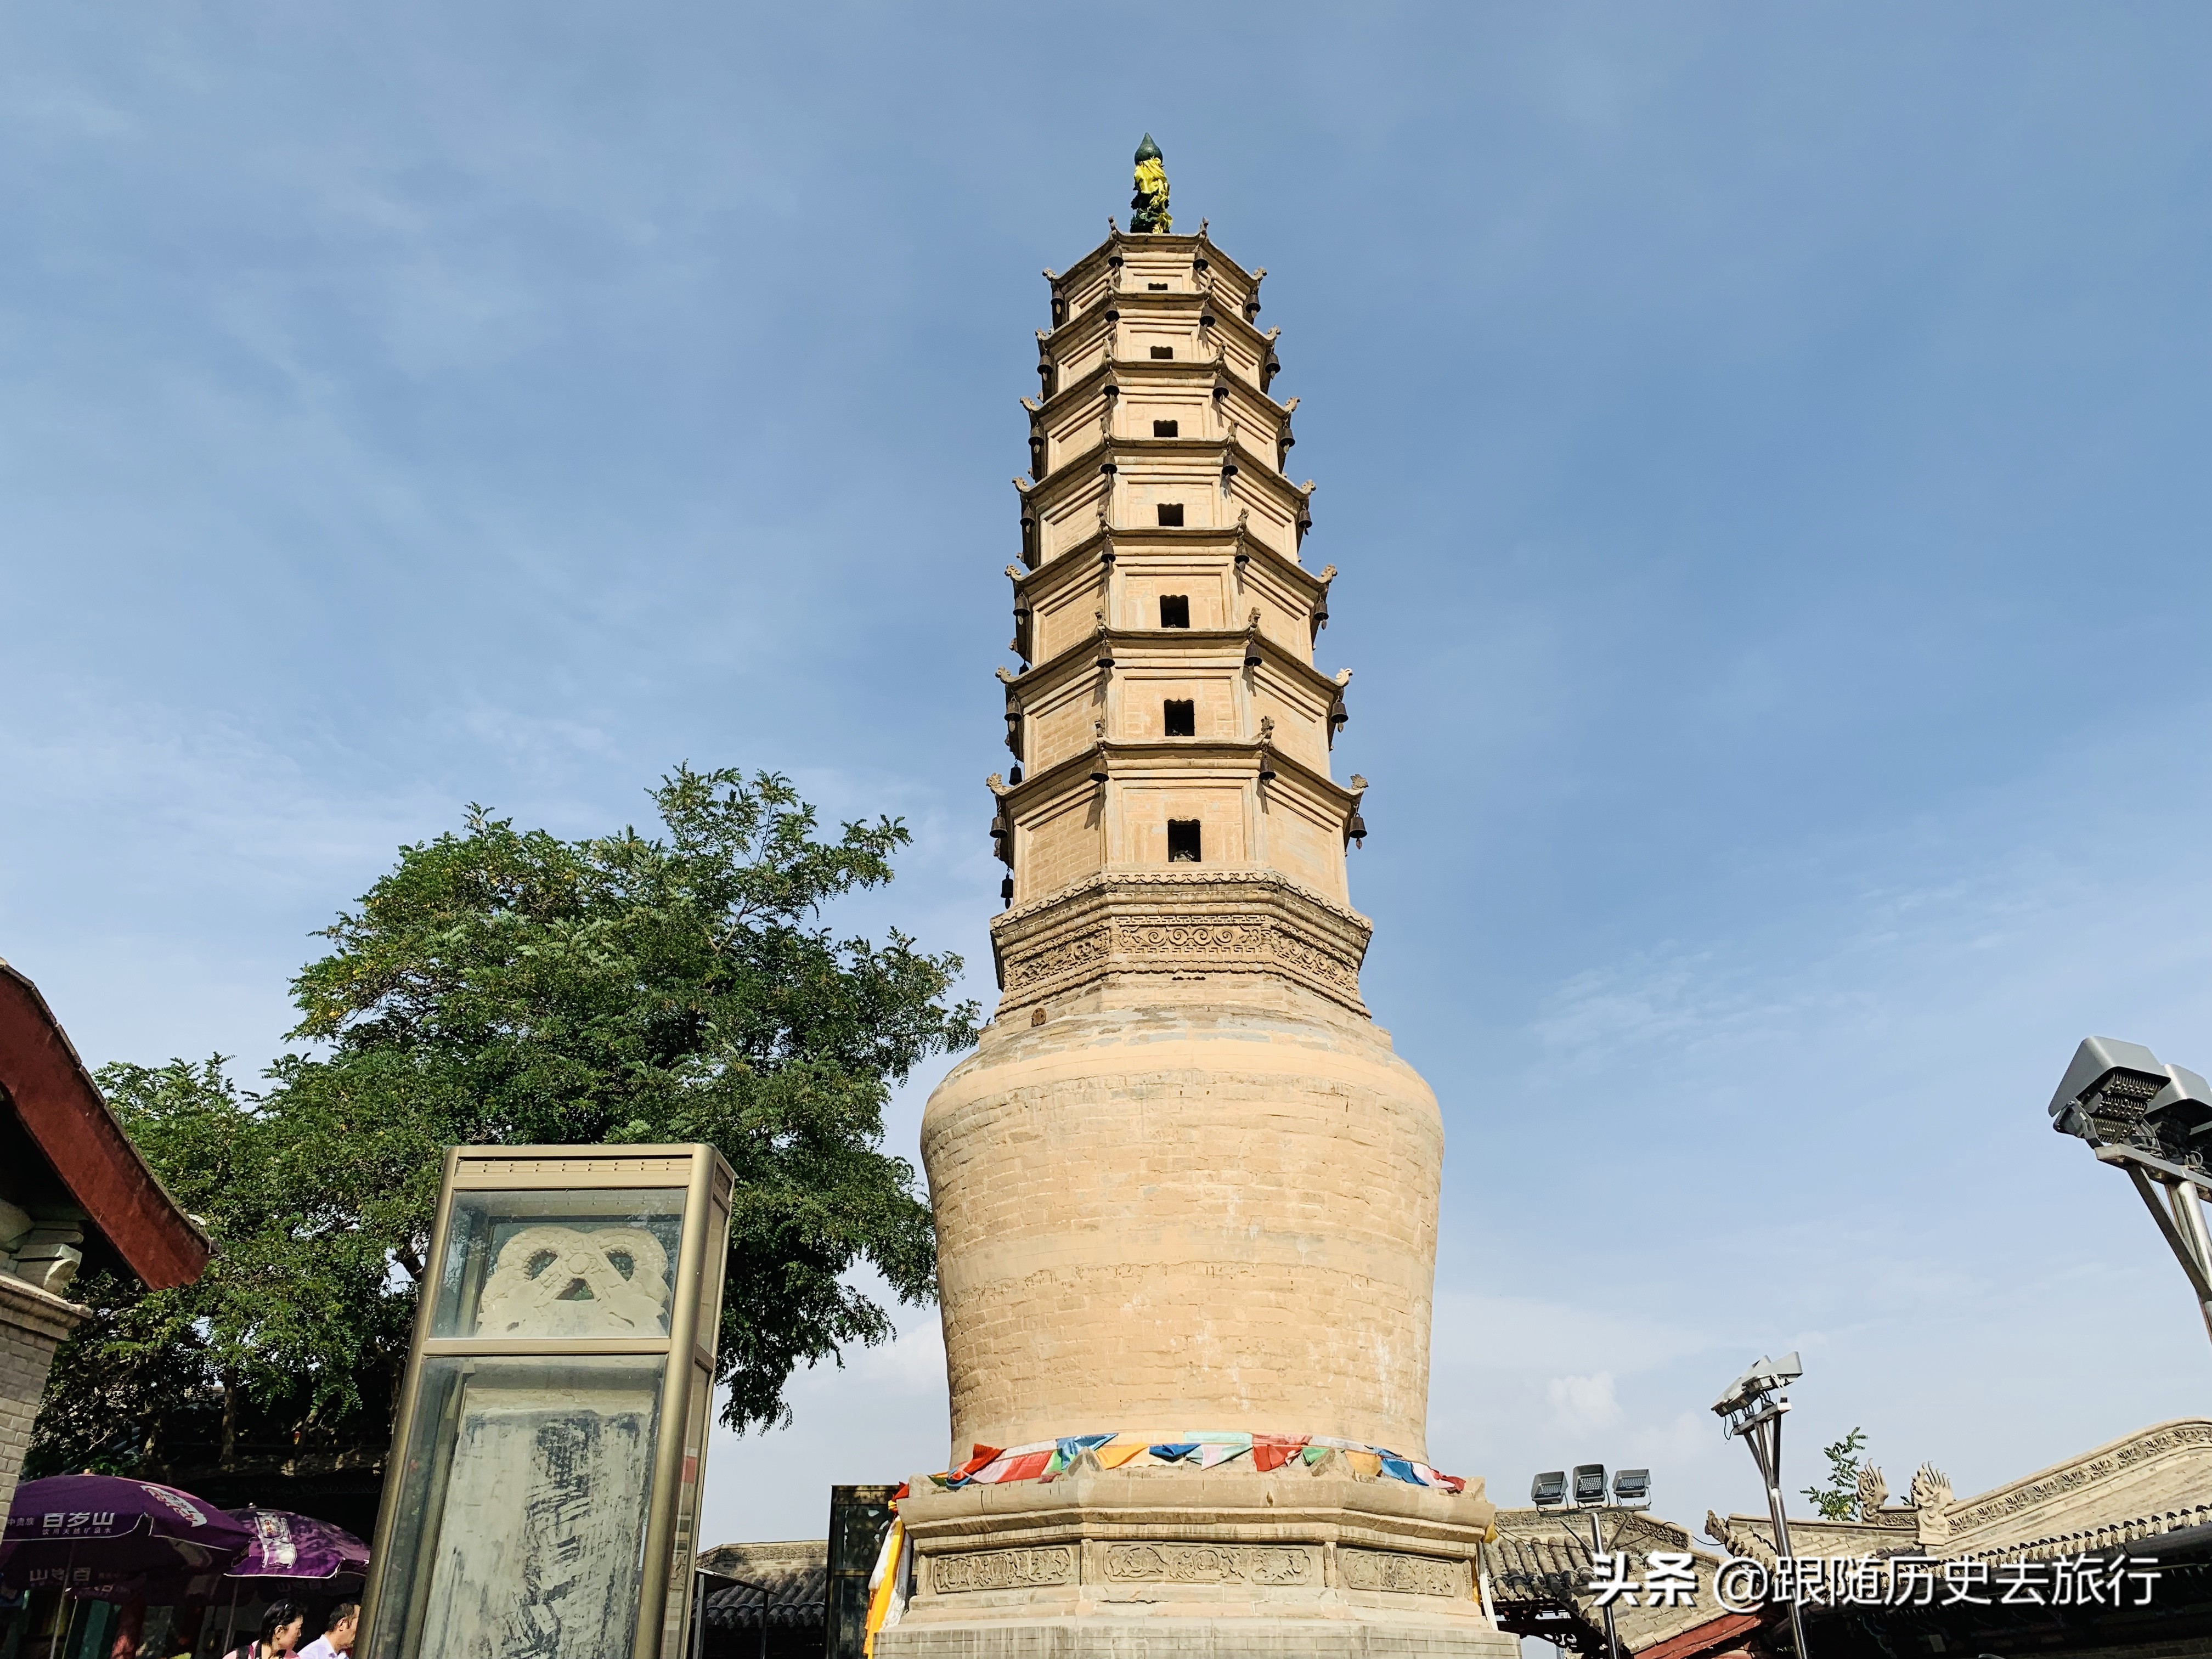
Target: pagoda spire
(1148, 208)
(1171, 730)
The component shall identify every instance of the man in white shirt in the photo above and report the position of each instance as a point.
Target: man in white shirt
(337, 1642)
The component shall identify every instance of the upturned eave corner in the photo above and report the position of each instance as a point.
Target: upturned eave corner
(1187, 241)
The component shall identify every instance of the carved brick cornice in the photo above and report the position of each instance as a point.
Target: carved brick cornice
(1133, 542)
(1072, 336)
(1194, 648)
(1092, 266)
(1174, 922)
(1079, 473)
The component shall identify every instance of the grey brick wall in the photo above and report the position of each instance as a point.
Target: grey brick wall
(32, 1325)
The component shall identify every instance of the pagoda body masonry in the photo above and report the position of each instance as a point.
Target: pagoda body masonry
(1185, 1193)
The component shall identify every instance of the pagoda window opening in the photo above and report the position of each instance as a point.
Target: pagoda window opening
(1170, 515)
(1163, 353)
(1182, 841)
(1175, 610)
(1179, 717)
(1155, 287)
(1167, 429)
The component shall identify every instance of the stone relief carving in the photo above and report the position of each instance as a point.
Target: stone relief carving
(1409, 1575)
(2181, 1436)
(1185, 940)
(1064, 957)
(565, 1281)
(1120, 921)
(1300, 953)
(1240, 936)
(1213, 1564)
(989, 1569)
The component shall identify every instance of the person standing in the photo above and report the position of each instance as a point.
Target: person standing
(280, 1633)
(338, 1640)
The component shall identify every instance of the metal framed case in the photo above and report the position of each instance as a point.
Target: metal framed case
(542, 1490)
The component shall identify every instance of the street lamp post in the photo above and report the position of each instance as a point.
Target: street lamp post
(2154, 1121)
(1631, 1489)
(1752, 1409)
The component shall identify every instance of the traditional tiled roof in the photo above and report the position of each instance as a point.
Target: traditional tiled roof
(1541, 1562)
(795, 1574)
(2155, 1481)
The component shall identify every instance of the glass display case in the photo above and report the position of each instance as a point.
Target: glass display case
(543, 1496)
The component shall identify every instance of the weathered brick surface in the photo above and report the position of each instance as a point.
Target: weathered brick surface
(31, 1324)
(1188, 1216)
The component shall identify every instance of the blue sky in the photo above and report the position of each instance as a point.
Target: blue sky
(1757, 442)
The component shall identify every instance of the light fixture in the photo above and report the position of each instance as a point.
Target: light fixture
(1752, 1409)
(1555, 1490)
(2154, 1121)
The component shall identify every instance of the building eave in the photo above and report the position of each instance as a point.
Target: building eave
(1189, 242)
(1032, 585)
(62, 1110)
(1168, 643)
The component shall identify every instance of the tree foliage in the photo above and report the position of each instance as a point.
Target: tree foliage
(1839, 1500)
(506, 985)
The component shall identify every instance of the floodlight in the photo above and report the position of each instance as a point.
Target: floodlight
(1589, 1486)
(2181, 1112)
(2154, 1121)
(1765, 1376)
(2106, 1089)
(1631, 1488)
(1753, 1409)
(1549, 1490)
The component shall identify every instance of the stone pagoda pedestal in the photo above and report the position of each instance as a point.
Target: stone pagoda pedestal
(1183, 1189)
(1224, 1561)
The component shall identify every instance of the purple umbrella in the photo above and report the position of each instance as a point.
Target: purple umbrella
(88, 1532)
(295, 1546)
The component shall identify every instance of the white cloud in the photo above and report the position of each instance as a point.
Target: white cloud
(1584, 1402)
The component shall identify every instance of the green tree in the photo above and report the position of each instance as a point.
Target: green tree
(506, 985)
(1839, 1500)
